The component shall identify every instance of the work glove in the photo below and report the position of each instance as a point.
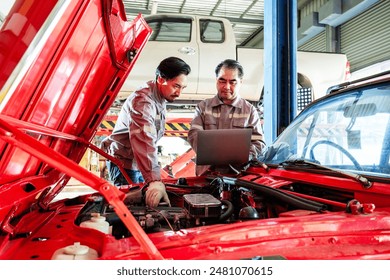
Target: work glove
(155, 192)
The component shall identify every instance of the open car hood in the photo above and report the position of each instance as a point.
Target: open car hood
(63, 63)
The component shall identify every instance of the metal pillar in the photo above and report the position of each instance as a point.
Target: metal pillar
(280, 79)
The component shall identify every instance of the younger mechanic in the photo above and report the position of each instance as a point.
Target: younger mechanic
(140, 124)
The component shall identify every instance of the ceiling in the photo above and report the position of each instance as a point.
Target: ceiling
(246, 16)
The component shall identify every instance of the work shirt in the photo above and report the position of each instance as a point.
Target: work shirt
(212, 113)
(139, 126)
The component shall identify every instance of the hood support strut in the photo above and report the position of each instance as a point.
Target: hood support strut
(114, 196)
(41, 130)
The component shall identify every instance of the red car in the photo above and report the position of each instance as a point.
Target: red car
(320, 191)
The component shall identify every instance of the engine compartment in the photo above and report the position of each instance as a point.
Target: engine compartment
(218, 200)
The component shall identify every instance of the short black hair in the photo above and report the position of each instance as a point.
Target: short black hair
(230, 64)
(172, 67)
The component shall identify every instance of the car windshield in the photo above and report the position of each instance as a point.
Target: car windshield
(349, 131)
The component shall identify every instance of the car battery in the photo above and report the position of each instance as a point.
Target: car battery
(202, 205)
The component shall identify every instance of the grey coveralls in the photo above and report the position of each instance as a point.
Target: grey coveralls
(212, 113)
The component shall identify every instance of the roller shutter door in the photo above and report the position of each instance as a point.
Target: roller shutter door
(366, 38)
(316, 44)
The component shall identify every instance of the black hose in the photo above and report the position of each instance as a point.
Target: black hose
(229, 211)
(296, 201)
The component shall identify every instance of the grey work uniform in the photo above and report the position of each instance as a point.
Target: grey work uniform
(139, 126)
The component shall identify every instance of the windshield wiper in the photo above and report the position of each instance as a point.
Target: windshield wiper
(302, 162)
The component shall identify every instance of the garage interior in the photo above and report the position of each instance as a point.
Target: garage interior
(321, 190)
(338, 26)
(343, 26)
(332, 26)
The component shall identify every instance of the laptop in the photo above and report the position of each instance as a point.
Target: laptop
(223, 146)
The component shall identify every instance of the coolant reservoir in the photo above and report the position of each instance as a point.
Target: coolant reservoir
(97, 222)
(75, 252)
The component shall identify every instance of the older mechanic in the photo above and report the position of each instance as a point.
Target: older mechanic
(140, 124)
(227, 109)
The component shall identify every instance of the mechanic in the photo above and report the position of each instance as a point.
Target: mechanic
(227, 110)
(140, 124)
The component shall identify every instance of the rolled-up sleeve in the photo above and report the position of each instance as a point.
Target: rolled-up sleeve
(257, 140)
(196, 125)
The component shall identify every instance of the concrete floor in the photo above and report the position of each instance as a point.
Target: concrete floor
(74, 188)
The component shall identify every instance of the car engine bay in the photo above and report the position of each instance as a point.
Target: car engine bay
(219, 200)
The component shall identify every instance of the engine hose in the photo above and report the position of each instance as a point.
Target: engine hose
(296, 201)
(263, 188)
(286, 197)
(312, 202)
(229, 211)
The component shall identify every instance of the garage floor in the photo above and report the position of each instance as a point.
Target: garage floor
(74, 188)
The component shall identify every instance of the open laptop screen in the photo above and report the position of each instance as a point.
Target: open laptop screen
(223, 146)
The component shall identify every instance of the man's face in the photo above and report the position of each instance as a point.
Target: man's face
(171, 89)
(228, 84)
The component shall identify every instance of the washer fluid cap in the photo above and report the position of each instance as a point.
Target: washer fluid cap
(75, 252)
(76, 249)
(97, 222)
(97, 218)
